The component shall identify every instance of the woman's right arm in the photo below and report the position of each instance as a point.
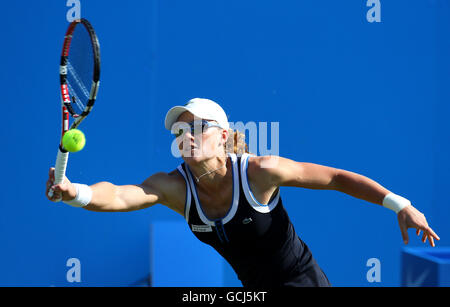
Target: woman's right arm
(107, 197)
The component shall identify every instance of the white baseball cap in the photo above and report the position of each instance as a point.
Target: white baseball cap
(200, 107)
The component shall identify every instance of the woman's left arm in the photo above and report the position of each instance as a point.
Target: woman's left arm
(286, 172)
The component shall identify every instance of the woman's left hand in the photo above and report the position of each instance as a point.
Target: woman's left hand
(410, 217)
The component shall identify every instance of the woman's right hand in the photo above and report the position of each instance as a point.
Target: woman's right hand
(64, 191)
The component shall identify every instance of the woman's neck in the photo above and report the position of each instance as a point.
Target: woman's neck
(210, 174)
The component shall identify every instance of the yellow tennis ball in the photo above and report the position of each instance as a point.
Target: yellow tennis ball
(73, 140)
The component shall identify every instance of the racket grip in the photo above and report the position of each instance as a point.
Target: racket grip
(60, 166)
(60, 169)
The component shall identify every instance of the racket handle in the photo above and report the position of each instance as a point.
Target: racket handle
(60, 169)
(60, 166)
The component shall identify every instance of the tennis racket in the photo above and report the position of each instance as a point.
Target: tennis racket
(80, 79)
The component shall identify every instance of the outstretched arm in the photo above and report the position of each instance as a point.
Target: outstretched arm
(107, 197)
(313, 176)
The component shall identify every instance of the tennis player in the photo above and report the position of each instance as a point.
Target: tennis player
(232, 201)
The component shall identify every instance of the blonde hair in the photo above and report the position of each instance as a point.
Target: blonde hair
(236, 143)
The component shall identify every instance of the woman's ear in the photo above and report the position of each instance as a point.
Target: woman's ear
(225, 135)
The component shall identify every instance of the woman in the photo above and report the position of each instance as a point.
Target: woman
(232, 202)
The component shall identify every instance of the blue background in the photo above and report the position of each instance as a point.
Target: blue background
(371, 98)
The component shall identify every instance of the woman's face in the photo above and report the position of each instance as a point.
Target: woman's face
(200, 145)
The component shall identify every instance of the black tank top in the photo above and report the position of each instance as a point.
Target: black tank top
(258, 241)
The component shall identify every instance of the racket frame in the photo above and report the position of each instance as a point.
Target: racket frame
(67, 110)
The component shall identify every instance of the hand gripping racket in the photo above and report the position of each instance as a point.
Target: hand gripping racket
(80, 79)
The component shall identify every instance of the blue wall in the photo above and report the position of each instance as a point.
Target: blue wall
(367, 97)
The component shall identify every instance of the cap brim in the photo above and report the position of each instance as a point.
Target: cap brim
(172, 116)
(175, 112)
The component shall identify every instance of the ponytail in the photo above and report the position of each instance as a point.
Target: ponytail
(236, 143)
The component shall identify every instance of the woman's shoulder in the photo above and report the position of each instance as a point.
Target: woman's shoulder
(165, 179)
(263, 168)
(274, 169)
(166, 184)
(171, 185)
(175, 178)
(263, 163)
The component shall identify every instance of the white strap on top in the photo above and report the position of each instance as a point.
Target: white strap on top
(187, 205)
(248, 193)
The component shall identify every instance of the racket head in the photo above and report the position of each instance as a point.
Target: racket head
(79, 72)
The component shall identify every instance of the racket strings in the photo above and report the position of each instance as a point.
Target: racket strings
(80, 67)
(78, 81)
(75, 99)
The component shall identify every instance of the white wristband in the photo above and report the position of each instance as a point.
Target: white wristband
(395, 202)
(84, 196)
